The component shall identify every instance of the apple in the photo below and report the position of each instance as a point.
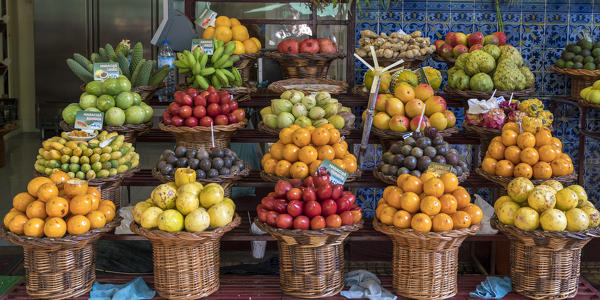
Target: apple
(451, 39)
(204, 94)
(199, 101)
(213, 110)
(233, 105)
(295, 208)
(336, 191)
(174, 108)
(280, 206)
(284, 221)
(476, 47)
(343, 204)
(355, 207)
(178, 96)
(239, 113)
(312, 209)
(268, 202)
(225, 109)
(459, 49)
(333, 221)
(317, 222)
(221, 120)
(261, 211)
(328, 207)
(185, 111)
(224, 97)
(191, 122)
(166, 119)
(206, 121)
(321, 179)
(350, 198)
(461, 39)
(327, 46)
(187, 100)
(501, 38)
(324, 192)
(309, 46)
(475, 38)
(438, 44)
(414, 123)
(347, 218)
(281, 188)
(308, 182)
(293, 194)
(288, 46)
(212, 98)
(309, 194)
(199, 111)
(446, 50)
(357, 214)
(232, 118)
(490, 40)
(399, 123)
(272, 218)
(302, 223)
(296, 183)
(211, 89)
(177, 121)
(192, 92)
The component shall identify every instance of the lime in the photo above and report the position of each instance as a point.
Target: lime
(111, 86)
(148, 112)
(94, 88)
(87, 100)
(124, 84)
(92, 109)
(137, 99)
(124, 100)
(105, 102)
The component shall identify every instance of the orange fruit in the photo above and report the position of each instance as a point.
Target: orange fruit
(36, 209)
(97, 219)
(449, 204)
(412, 184)
(223, 33)
(326, 152)
(543, 137)
(312, 169)
(386, 216)
(556, 143)
(9, 216)
(75, 187)
(526, 140)
(78, 224)
(17, 224)
(489, 165)
(389, 190)
(529, 156)
(497, 139)
(401, 179)
(262, 160)
(509, 137)
(564, 156)
(461, 219)
(511, 126)
(21, 200)
(95, 201)
(523, 170)
(426, 176)
(340, 150)
(402, 219)
(285, 135)
(496, 150)
(450, 182)
(34, 185)
(560, 167)
(55, 227)
(430, 205)
(327, 126)
(59, 177)
(350, 165)
(34, 227)
(283, 168)
(547, 153)
(542, 170)
(474, 212)
(310, 129)
(393, 198)
(299, 170)
(462, 197)
(240, 33)
(410, 202)
(222, 21)
(109, 203)
(320, 136)
(421, 222)
(308, 154)
(250, 46)
(234, 21)
(80, 205)
(301, 137)
(442, 222)
(57, 207)
(108, 211)
(276, 150)
(334, 135)
(504, 168)
(434, 187)
(513, 154)
(339, 163)
(208, 33)
(47, 191)
(270, 166)
(290, 152)
(95, 191)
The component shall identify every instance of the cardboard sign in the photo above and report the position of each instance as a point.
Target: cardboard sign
(105, 70)
(336, 174)
(206, 45)
(89, 120)
(439, 169)
(422, 78)
(206, 19)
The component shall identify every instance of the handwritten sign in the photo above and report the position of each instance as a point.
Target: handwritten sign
(89, 120)
(336, 174)
(206, 19)
(205, 45)
(105, 70)
(439, 169)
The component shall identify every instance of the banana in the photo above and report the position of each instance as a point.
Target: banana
(219, 43)
(183, 70)
(229, 47)
(234, 58)
(224, 80)
(181, 58)
(196, 69)
(238, 76)
(207, 71)
(217, 54)
(181, 64)
(227, 64)
(229, 75)
(221, 60)
(190, 58)
(215, 82)
(203, 60)
(189, 79)
(197, 54)
(202, 82)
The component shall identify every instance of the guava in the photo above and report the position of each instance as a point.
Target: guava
(124, 84)
(105, 102)
(69, 113)
(114, 117)
(148, 112)
(87, 100)
(285, 119)
(299, 110)
(270, 120)
(135, 115)
(137, 99)
(94, 88)
(111, 86)
(124, 100)
(280, 105)
(303, 122)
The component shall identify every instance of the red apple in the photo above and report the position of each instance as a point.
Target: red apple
(327, 46)
(312, 209)
(501, 38)
(178, 96)
(308, 182)
(284, 221)
(333, 221)
(347, 218)
(191, 122)
(268, 202)
(221, 120)
(302, 223)
(293, 194)
(212, 98)
(309, 194)
(192, 92)
(224, 97)
(272, 194)
(177, 121)
(459, 49)
(324, 192)
(211, 89)
(321, 179)
(239, 113)
(438, 44)
(185, 111)
(451, 39)
(288, 46)
(446, 50)
(199, 101)
(213, 110)
(317, 222)
(295, 208)
(336, 191)
(343, 204)
(475, 38)
(187, 100)
(491, 39)
(350, 198)
(166, 118)
(232, 118)
(309, 46)
(295, 182)
(414, 123)
(204, 94)
(174, 108)
(272, 218)
(280, 206)
(199, 111)
(262, 213)
(281, 188)
(206, 121)
(225, 109)
(475, 47)
(461, 39)
(233, 105)
(328, 207)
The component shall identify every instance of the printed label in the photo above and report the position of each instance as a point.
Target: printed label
(439, 169)
(206, 45)
(105, 70)
(336, 174)
(166, 61)
(89, 120)
(206, 19)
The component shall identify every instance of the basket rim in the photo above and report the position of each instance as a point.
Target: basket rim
(481, 130)
(390, 134)
(134, 127)
(280, 86)
(541, 234)
(68, 241)
(411, 233)
(484, 95)
(389, 179)
(309, 233)
(222, 178)
(197, 129)
(274, 178)
(388, 61)
(157, 234)
(577, 72)
(317, 56)
(148, 88)
(503, 181)
(96, 181)
(448, 60)
(234, 91)
(275, 131)
(584, 103)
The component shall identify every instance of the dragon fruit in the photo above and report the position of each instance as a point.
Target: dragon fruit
(473, 119)
(516, 116)
(494, 118)
(509, 107)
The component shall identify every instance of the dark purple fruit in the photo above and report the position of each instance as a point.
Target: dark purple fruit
(416, 152)
(180, 151)
(166, 169)
(410, 162)
(423, 142)
(406, 150)
(224, 171)
(228, 152)
(161, 164)
(439, 159)
(411, 140)
(398, 160)
(438, 140)
(217, 163)
(403, 170)
(212, 173)
(387, 157)
(239, 163)
(418, 134)
(227, 162)
(431, 132)
(459, 171)
(217, 153)
(202, 154)
(429, 151)
(452, 159)
(415, 173)
(200, 174)
(205, 165)
(463, 165)
(423, 163)
(166, 153)
(396, 147)
(171, 159)
(182, 162)
(452, 150)
(190, 153)
(193, 163)
(442, 149)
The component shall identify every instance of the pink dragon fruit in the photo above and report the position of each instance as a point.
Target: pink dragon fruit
(508, 108)
(474, 119)
(516, 116)
(494, 118)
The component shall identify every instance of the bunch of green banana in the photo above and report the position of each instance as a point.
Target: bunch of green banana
(139, 71)
(206, 70)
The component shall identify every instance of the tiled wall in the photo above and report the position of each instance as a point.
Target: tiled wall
(539, 29)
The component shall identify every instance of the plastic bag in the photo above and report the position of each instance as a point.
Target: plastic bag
(488, 212)
(126, 219)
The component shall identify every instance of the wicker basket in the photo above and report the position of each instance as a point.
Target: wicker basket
(425, 264)
(504, 181)
(447, 60)
(226, 183)
(200, 136)
(245, 65)
(311, 262)
(309, 85)
(59, 268)
(274, 178)
(131, 132)
(469, 94)
(304, 65)
(580, 79)
(377, 173)
(186, 264)
(545, 265)
(147, 91)
(584, 103)
(409, 63)
(275, 131)
(239, 93)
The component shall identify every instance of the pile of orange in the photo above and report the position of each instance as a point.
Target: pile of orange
(428, 203)
(56, 205)
(300, 151)
(230, 29)
(524, 154)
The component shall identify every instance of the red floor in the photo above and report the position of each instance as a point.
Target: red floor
(267, 288)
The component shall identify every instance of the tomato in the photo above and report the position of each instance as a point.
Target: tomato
(317, 222)
(295, 208)
(284, 221)
(334, 221)
(302, 222)
(312, 209)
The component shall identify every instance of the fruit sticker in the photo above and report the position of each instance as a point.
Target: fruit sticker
(336, 174)
(103, 71)
(89, 120)
(205, 45)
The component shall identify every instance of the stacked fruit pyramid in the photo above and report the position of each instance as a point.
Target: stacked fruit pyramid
(230, 29)
(220, 72)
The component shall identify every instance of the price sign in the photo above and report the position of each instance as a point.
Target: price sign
(103, 71)
(89, 120)
(206, 45)
(439, 169)
(336, 174)
(206, 18)
(422, 77)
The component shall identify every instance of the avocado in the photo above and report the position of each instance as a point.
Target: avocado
(578, 59)
(588, 59)
(576, 49)
(585, 44)
(597, 60)
(596, 52)
(577, 65)
(569, 65)
(568, 55)
(586, 52)
(560, 63)
(597, 44)
(589, 66)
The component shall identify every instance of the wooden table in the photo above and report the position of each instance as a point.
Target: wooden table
(3, 131)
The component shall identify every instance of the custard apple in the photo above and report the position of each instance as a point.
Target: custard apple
(492, 50)
(479, 61)
(481, 82)
(508, 77)
(529, 77)
(461, 60)
(508, 52)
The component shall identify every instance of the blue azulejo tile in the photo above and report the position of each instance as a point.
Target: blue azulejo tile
(438, 16)
(366, 25)
(539, 83)
(532, 35)
(410, 27)
(511, 17)
(486, 28)
(578, 31)
(597, 14)
(581, 7)
(555, 84)
(533, 17)
(487, 6)
(557, 5)
(389, 27)
(415, 5)
(369, 15)
(513, 33)
(412, 16)
(556, 17)
(436, 31)
(533, 6)
(552, 54)
(580, 18)
(438, 5)
(372, 4)
(593, 125)
(556, 35)
(593, 114)
(462, 16)
(485, 16)
(395, 16)
(533, 57)
(462, 5)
